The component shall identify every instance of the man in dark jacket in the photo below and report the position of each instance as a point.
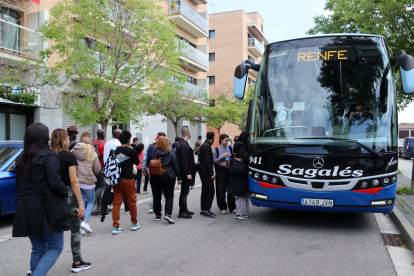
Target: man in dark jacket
(72, 132)
(186, 163)
(206, 172)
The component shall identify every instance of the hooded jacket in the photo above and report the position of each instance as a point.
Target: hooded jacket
(168, 162)
(239, 184)
(86, 171)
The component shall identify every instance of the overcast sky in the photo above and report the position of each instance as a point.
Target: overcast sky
(282, 19)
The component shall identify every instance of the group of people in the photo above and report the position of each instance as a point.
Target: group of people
(74, 171)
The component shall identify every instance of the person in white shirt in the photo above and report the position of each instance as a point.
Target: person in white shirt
(111, 144)
(283, 116)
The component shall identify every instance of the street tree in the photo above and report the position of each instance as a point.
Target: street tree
(241, 108)
(176, 103)
(392, 19)
(111, 51)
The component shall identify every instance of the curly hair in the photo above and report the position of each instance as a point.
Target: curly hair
(162, 143)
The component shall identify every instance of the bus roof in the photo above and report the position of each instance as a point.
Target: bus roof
(325, 35)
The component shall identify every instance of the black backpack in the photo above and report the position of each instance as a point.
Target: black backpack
(96, 150)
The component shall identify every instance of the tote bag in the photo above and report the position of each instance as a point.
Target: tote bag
(238, 167)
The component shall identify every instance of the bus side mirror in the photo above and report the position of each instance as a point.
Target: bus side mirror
(406, 63)
(240, 77)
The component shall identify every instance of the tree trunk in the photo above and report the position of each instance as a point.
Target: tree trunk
(104, 125)
(177, 131)
(219, 130)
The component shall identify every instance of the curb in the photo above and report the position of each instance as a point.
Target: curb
(407, 230)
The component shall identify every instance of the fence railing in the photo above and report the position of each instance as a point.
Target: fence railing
(254, 42)
(192, 53)
(20, 40)
(181, 7)
(195, 91)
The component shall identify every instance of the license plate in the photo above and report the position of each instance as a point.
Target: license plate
(317, 202)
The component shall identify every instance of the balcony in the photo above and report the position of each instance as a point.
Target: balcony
(188, 19)
(255, 46)
(257, 33)
(195, 91)
(200, 2)
(194, 58)
(18, 41)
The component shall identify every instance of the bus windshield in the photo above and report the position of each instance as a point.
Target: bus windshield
(339, 87)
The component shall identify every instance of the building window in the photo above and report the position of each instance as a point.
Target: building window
(212, 34)
(191, 80)
(211, 80)
(212, 57)
(262, 28)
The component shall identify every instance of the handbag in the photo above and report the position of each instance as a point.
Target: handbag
(155, 166)
(56, 206)
(238, 167)
(108, 197)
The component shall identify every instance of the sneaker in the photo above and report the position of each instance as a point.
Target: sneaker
(116, 230)
(135, 227)
(210, 214)
(145, 192)
(126, 212)
(192, 186)
(185, 216)
(190, 213)
(85, 226)
(223, 211)
(81, 266)
(151, 210)
(83, 232)
(242, 217)
(157, 218)
(138, 193)
(169, 219)
(29, 273)
(234, 211)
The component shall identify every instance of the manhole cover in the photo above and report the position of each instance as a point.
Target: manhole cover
(391, 240)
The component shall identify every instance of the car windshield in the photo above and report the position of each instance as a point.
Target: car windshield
(6, 153)
(338, 87)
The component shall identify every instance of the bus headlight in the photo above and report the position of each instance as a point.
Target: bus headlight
(265, 178)
(258, 196)
(256, 175)
(364, 184)
(386, 181)
(274, 180)
(250, 173)
(394, 178)
(375, 183)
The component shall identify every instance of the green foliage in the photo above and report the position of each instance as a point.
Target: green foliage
(20, 80)
(113, 51)
(177, 103)
(405, 191)
(228, 109)
(391, 19)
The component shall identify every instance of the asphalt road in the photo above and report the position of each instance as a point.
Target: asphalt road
(271, 242)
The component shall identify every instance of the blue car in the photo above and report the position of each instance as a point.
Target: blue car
(9, 152)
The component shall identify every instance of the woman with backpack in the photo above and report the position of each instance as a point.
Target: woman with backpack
(164, 170)
(59, 143)
(87, 170)
(221, 158)
(239, 184)
(37, 170)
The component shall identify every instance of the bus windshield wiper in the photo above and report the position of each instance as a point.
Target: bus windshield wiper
(379, 154)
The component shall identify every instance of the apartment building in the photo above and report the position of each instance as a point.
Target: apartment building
(233, 37)
(22, 18)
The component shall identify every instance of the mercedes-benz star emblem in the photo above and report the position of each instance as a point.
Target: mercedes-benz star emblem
(318, 162)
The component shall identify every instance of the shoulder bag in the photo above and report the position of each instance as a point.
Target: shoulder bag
(56, 206)
(238, 167)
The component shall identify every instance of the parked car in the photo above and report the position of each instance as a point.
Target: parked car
(9, 152)
(408, 148)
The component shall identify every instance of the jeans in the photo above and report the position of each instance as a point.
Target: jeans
(90, 197)
(138, 179)
(160, 183)
(185, 189)
(207, 192)
(99, 188)
(222, 181)
(46, 250)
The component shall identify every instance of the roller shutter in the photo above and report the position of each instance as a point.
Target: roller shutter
(66, 122)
